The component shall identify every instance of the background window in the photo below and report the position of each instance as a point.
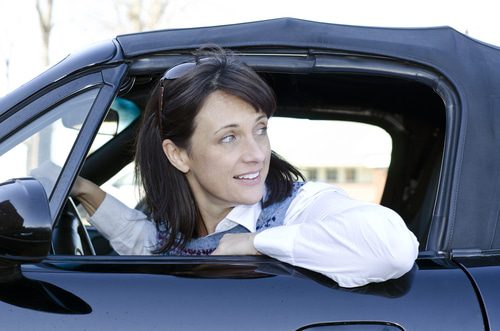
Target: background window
(311, 174)
(332, 174)
(350, 175)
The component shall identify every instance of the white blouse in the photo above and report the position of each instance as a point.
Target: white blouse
(352, 242)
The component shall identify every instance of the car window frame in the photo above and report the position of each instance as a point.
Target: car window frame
(303, 61)
(337, 63)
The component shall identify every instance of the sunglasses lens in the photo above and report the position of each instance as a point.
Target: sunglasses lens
(179, 70)
(171, 74)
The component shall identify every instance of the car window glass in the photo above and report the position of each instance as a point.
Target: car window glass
(121, 114)
(41, 148)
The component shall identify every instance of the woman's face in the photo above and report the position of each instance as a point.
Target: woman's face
(229, 156)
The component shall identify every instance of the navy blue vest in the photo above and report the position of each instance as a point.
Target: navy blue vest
(270, 216)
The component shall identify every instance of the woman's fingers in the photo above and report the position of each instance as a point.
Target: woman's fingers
(236, 244)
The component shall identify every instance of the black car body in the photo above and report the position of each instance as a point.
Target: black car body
(434, 90)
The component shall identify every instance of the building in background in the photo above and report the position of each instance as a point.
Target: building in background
(354, 156)
(359, 181)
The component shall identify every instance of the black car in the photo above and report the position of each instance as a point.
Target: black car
(436, 93)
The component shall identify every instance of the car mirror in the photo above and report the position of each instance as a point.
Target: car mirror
(25, 222)
(121, 113)
(108, 127)
(110, 124)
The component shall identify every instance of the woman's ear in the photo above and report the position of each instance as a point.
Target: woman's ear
(177, 156)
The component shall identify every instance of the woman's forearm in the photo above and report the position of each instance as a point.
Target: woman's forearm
(89, 194)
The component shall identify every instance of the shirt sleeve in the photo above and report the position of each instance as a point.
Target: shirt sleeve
(349, 241)
(128, 230)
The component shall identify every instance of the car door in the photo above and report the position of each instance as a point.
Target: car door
(233, 293)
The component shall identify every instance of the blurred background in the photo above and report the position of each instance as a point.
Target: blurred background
(36, 34)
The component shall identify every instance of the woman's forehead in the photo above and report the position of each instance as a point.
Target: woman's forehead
(223, 103)
(222, 108)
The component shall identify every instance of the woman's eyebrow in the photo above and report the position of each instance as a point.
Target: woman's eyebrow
(261, 117)
(234, 125)
(226, 126)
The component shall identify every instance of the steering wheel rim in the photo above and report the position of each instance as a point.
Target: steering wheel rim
(70, 236)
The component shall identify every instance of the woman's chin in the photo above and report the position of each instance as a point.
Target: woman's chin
(250, 198)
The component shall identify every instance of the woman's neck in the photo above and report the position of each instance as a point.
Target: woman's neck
(211, 216)
(212, 210)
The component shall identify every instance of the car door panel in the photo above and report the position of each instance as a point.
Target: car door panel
(261, 294)
(484, 271)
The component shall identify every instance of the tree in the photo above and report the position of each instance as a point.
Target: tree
(44, 10)
(38, 152)
(140, 15)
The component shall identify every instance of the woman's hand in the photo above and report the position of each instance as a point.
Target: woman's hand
(236, 244)
(88, 193)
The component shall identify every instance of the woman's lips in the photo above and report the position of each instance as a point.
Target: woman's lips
(248, 176)
(249, 179)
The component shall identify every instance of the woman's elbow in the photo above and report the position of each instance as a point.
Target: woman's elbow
(401, 255)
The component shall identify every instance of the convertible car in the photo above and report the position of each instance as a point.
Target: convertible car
(434, 91)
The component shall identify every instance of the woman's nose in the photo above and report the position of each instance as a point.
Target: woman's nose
(255, 151)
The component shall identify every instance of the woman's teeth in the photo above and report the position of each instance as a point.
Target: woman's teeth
(248, 176)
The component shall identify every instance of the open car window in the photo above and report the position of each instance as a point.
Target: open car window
(343, 128)
(353, 156)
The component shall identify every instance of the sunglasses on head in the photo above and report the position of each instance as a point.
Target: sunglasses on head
(173, 73)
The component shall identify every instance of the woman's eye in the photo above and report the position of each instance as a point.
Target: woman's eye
(227, 139)
(262, 131)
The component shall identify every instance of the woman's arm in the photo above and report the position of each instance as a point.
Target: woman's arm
(351, 242)
(128, 230)
(89, 194)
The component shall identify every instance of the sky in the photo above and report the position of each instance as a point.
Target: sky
(79, 23)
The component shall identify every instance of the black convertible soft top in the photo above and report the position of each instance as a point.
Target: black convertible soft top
(471, 67)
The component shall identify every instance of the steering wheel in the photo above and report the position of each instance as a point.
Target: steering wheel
(69, 236)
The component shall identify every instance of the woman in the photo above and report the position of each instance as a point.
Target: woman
(213, 186)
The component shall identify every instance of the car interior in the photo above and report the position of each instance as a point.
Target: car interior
(315, 85)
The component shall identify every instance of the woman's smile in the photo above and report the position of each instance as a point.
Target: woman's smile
(252, 178)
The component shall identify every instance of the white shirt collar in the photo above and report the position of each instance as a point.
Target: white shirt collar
(244, 215)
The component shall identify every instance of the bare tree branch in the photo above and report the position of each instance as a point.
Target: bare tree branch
(134, 10)
(134, 15)
(45, 20)
(140, 14)
(36, 152)
(155, 13)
